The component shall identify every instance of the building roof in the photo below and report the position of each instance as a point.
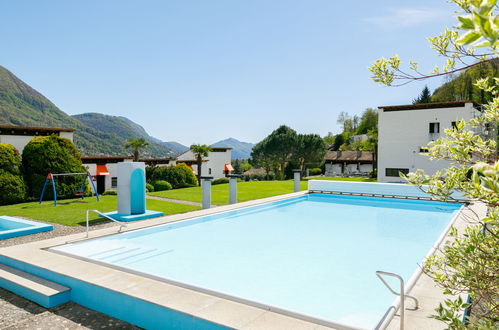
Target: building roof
(104, 159)
(422, 106)
(252, 171)
(349, 156)
(219, 149)
(31, 130)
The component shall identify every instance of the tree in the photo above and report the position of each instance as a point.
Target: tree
(10, 160)
(329, 138)
(51, 154)
(311, 150)
(280, 145)
(338, 142)
(469, 262)
(368, 121)
(136, 145)
(345, 120)
(200, 151)
(424, 97)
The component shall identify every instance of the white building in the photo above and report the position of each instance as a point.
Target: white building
(215, 165)
(104, 170)
(348, 163)
(405, 130)
(19, 136)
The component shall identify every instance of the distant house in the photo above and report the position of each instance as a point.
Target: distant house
(405, 130)
(104, 170)
(19, 136)
(348, 162)
(215, 165)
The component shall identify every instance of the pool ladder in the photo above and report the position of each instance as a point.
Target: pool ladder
(122, 224)
(402, 296)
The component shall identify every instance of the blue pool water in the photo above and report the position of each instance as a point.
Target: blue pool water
(314, 255)
(14, 227)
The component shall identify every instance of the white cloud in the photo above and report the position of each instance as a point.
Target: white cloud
(407, 17)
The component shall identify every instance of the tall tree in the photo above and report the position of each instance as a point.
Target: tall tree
(311, 150)
(424, 97)
(467, 263)
(338, 142)
(136, 145)
(368, 121)
(280, 145)
(200, 151)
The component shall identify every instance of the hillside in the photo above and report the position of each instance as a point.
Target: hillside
(240, 150)
(461, 87)
(124, 129)
(21, 105)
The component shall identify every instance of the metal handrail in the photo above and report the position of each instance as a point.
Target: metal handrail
(122, 224)
(401, 294)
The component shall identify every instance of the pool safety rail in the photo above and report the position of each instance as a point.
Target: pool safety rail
(402, 296)
(122, 224)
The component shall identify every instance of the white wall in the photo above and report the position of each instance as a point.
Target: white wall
(215, 162)
(113, 172)
(335, 169)
(403, 132)
(20, 141)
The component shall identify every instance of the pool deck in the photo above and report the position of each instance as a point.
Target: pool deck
(215, 309)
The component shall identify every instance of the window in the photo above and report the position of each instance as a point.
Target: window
(209, 171)
(434, 127)
(114, 182)
(396, 171)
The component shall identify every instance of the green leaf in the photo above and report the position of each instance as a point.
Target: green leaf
(466, 22)
(468, 38)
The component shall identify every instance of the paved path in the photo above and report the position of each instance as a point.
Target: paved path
(18, 313)
(173, 200)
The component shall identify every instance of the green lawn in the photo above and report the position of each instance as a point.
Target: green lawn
(73, 214)
(245, 191)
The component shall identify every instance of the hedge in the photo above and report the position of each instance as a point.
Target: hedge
(12, 187)
(179, 176)
(51, 154)
(160, 185)
(10, 159)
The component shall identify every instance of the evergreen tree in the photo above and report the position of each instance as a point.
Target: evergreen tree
(424, 97)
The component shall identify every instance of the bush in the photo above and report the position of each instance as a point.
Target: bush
(110, 193)
(373, 174)
(179, 176)
(160, 185)
(10, 160)
(12, 187)
(149, 187)
(51, 154)
(220, 181)
(315, 171)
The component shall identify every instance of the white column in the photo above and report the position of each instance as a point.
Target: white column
(296, 176)
(206, 191)
(233, 188)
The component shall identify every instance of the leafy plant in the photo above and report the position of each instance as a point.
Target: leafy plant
(149, 187)
(469, 261)
(220, 181)
(12, 187)
(51, 154)
(10, 160)
(200, 151)
(160, 185)
(136, 145)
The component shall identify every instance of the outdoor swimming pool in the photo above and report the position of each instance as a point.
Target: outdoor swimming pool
(14, 227)
(313, 256)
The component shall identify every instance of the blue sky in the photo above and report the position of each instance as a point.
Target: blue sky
(197, 71)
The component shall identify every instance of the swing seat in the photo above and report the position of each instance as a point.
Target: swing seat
(78, 193)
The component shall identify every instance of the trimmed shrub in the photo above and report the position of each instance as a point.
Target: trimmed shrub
(179, 176)
(51, 154)
(149, 187)
(10, 159)
(160, 185)
(315, 171)
(110, 193)
(12, 187)
(220, 181)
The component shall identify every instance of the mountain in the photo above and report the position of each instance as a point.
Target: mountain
(240, 150)
(176, 147)
(462, 88)
(125, 129)
(95, 134)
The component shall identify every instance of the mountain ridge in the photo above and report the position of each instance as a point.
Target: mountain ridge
(240, 149)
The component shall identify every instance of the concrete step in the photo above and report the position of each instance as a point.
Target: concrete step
(43, 292)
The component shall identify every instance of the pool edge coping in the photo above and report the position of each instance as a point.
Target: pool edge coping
(36, 253)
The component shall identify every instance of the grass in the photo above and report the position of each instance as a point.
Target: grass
(73, 213)
(245, 190)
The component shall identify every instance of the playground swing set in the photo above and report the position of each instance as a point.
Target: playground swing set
(52, 179)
